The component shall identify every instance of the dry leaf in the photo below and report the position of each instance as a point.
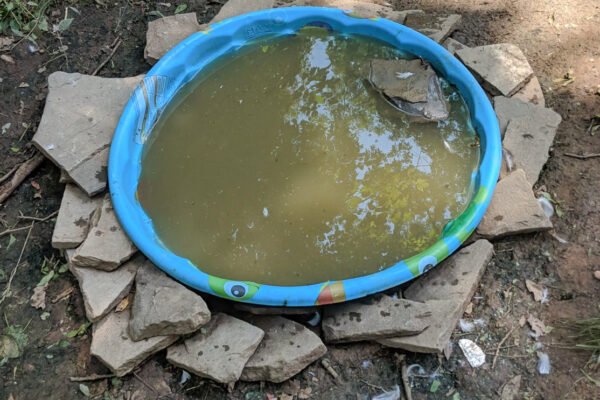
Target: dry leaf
(469, 309)
(536, 289)
(23, 85)
(537, 326)
(123, 304)
(511, 388)
(305, 393)
(522, 321)
(38, 299)
(285, 396)
(7, 58)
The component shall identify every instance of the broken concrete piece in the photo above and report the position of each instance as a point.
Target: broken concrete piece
(358, 8)
(112, 345)
(512, 108)
(78, 123)
(436, 27)
(287, 348)
(528, 141)
(383, 316)
(447, 290)
(106, 245)
(103, 290)
(513, 209)
(73, 220)
(233, 8)
(411, 86)
(531, 93)
(444, 317)
(456, 278)
(162, 306)
(219, 351)
(453, 45)
(502, 67)
(165, 33)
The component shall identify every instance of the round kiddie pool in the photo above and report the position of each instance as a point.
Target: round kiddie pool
(186, 60)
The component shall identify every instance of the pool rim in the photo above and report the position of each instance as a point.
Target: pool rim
(173, 71)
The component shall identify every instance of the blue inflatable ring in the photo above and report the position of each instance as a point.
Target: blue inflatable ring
(180, 65)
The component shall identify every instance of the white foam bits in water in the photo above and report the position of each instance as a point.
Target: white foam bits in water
(280, 164)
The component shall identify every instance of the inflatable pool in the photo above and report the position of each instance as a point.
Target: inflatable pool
(187, 59)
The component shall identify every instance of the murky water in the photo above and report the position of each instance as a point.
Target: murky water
(281, 165)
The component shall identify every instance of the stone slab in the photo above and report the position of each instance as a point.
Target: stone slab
(79, 119)
(106, 245)
(502, 67)
(74, 217)
(512, 108)
(444, 317)
(456, 278)
(286, 349)
(531, 93)
(527, 142)
(162, 306)
(112, 345)
(165, 33)
(513, 209)
(436, 27)
(447, 290)
(381, 316)
(358, 8)
(453, 45)
(102, 290)
(406, 79)
(219, 351)
(233, 8)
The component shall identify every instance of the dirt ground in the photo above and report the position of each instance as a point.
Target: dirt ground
(555, 35)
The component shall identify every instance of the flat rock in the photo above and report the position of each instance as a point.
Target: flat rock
(164, 33)
(74, 217)
(103, 290)
(512, 108)
(436, 27)
(286, 349)
(502, 67)
(527, 142)
(162, 306)
(359, 8)
(112, 345)
(444, 317)
(270, 310)
(531, 93)
(447, 290)
(234, 8)
(106, 245)
(410, 86)
(513, 209)
(381, 316)
(78, 123)
(456, 278)
(219, 351)
(453, 45)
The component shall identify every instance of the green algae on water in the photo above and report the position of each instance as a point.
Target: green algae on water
(280, 164)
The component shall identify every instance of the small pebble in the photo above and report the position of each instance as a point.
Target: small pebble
(597, 274)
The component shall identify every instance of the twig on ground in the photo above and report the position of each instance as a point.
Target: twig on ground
(43, 219)
(93, 377)
(145, 384)
(582, 156)
(19, 176)
(327, 365)
(63, 294)
(405, 381)
(6, 232)
(112, 53)
(500, 345)
(373, 386)
(6, 290)
(9, 173)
